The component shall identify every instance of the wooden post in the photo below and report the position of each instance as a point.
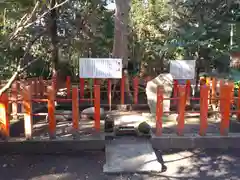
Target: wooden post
(82, 86)
(75, 109)
(4, 118)
(221, 96)
(41, 86)
(188, 91)
(204, 89)
(110, 94)
(213, 91)
(122, 89)
(188, 88)
(226, 106)
(159, 111)
(29, 83)
(231, 84)
(181, 110)
(135, 87)
(27, 106)
(68, 86)
(35, 80)
(14, 96)
(33, 86)
(37, 87)
(97, 107)
(51, 112)
(148, 78)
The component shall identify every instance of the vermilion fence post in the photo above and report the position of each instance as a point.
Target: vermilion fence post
(97, 82)
(110, 93)
(27, 106)
(51, 112)
(4, 118)
(135, 87)
(175, 91)
(122, 89)
(75, 109)
(97, 107)
(204, 89)
(159, 111)
(82, 86)
(181, 109)
(68, 86)
(14, 97)
(226, 106)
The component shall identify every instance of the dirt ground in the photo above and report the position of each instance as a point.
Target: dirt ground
(180, 165)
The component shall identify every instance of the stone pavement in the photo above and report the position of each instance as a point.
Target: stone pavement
(129, 154)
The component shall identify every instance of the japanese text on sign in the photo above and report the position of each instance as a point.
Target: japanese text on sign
(183, 69)
(100, 68)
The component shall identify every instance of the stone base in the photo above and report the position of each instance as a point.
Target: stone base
(130, 156)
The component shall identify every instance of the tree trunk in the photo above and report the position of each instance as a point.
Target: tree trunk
(120, 44)
(54, 38)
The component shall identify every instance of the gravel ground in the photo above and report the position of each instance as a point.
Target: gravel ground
(180, 165)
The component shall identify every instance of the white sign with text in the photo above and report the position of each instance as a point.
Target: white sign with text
(100, 68)
(183, 69)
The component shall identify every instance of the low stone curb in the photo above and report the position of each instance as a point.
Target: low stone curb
(66, 145)
(190, 141)
(56, 146)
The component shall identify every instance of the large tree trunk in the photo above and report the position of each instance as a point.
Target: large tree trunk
(120, 45)
(54, 38)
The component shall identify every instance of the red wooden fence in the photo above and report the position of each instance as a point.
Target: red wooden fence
(38, 90)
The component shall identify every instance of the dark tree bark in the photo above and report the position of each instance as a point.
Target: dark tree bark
(54, 38)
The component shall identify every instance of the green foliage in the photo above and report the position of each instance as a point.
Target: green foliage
(85, 29)
(158, 31)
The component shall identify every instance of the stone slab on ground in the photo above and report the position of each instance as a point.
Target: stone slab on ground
(127, 155)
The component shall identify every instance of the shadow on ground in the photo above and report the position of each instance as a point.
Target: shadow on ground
(181, 165)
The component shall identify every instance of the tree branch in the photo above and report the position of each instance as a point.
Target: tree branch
(15, 75)
(23, 24)
(19, 69)
(26, 24)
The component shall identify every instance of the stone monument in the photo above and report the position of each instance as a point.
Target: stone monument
(164, 80)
